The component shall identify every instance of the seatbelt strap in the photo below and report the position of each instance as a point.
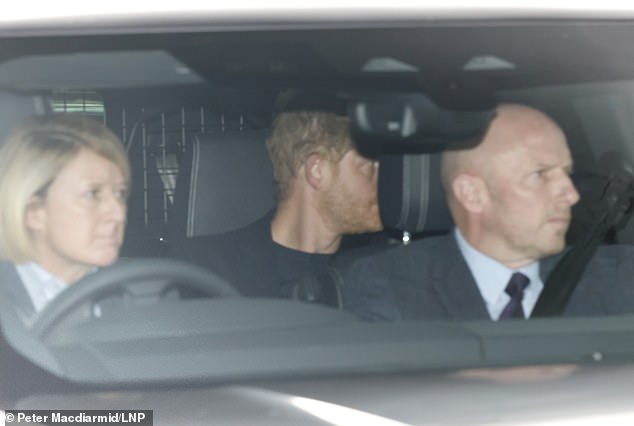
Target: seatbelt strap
(563, 279)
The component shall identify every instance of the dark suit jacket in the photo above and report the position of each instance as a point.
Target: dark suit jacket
(19, 377)
(429, 279)
(13, 295)
(15, 299)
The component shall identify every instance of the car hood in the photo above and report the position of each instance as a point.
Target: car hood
(530, 395)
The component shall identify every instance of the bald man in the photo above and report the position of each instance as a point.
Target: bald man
(510, 198)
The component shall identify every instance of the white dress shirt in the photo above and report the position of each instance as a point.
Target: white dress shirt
(492, 277)
(41, 285)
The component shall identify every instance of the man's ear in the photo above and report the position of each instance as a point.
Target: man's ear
(35, 215)
(471, 192)
(314, 170)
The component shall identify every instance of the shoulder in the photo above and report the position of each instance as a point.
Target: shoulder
(14, 296)
(232, 254)
(404, 264)
(610, 259)
(8, 271)
(251, 236)
(395, 284)
(425, 250)
(6, 265)
(607, 280)
(618, 253)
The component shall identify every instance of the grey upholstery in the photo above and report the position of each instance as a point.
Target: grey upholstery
(411, 196)
(15, 107)
(225, 183)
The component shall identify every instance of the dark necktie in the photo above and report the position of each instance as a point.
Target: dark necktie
(515, 289)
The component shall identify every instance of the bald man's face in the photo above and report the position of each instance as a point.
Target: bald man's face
(528, 197)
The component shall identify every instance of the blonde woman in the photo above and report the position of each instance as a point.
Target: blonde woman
(64, 182)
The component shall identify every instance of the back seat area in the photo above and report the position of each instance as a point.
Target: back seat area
(161, 129)
(200, 167)
(225, 182)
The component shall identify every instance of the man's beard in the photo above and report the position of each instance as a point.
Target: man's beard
(346, 213)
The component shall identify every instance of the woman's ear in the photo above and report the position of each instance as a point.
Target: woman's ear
(314, 170)
(470, 192)
(35, 214)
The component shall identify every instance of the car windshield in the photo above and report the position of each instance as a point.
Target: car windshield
(257, 260)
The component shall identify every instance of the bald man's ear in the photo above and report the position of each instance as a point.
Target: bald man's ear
(470, 192)
(314, 170)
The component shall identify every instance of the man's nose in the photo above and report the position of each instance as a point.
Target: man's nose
(375, 165)
(569, 191)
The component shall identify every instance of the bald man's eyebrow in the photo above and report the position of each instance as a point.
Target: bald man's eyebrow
(568, 168)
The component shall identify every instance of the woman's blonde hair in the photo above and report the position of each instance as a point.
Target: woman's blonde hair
(32, 156)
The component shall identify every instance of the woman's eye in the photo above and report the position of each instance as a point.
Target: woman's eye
(93, 194)
(122, 194)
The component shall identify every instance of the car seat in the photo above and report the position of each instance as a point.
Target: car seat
(411, 203)
(16, 107)
(225, 182)
(411, 196)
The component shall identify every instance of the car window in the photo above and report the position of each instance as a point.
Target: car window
(190, 323)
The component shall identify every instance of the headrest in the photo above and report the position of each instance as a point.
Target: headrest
(226, 182)
(411, 196)
(15, 107)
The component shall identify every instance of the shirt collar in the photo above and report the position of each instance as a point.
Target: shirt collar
(490, 275)
(41, 285)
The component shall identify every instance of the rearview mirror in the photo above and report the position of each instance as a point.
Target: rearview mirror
(411, 122)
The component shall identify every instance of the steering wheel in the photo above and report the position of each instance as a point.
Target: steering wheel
(124, 275)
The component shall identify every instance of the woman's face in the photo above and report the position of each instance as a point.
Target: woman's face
(80, 222)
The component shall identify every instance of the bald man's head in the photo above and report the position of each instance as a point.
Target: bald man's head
(512, 124)
(511, 194)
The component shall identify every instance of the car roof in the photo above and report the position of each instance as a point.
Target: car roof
(73, 16)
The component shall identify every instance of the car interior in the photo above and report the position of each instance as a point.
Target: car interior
(193, 110)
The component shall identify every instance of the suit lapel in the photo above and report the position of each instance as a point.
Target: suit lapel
(455, 286)
(14, 295)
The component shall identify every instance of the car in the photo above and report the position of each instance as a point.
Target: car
(191, 91)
